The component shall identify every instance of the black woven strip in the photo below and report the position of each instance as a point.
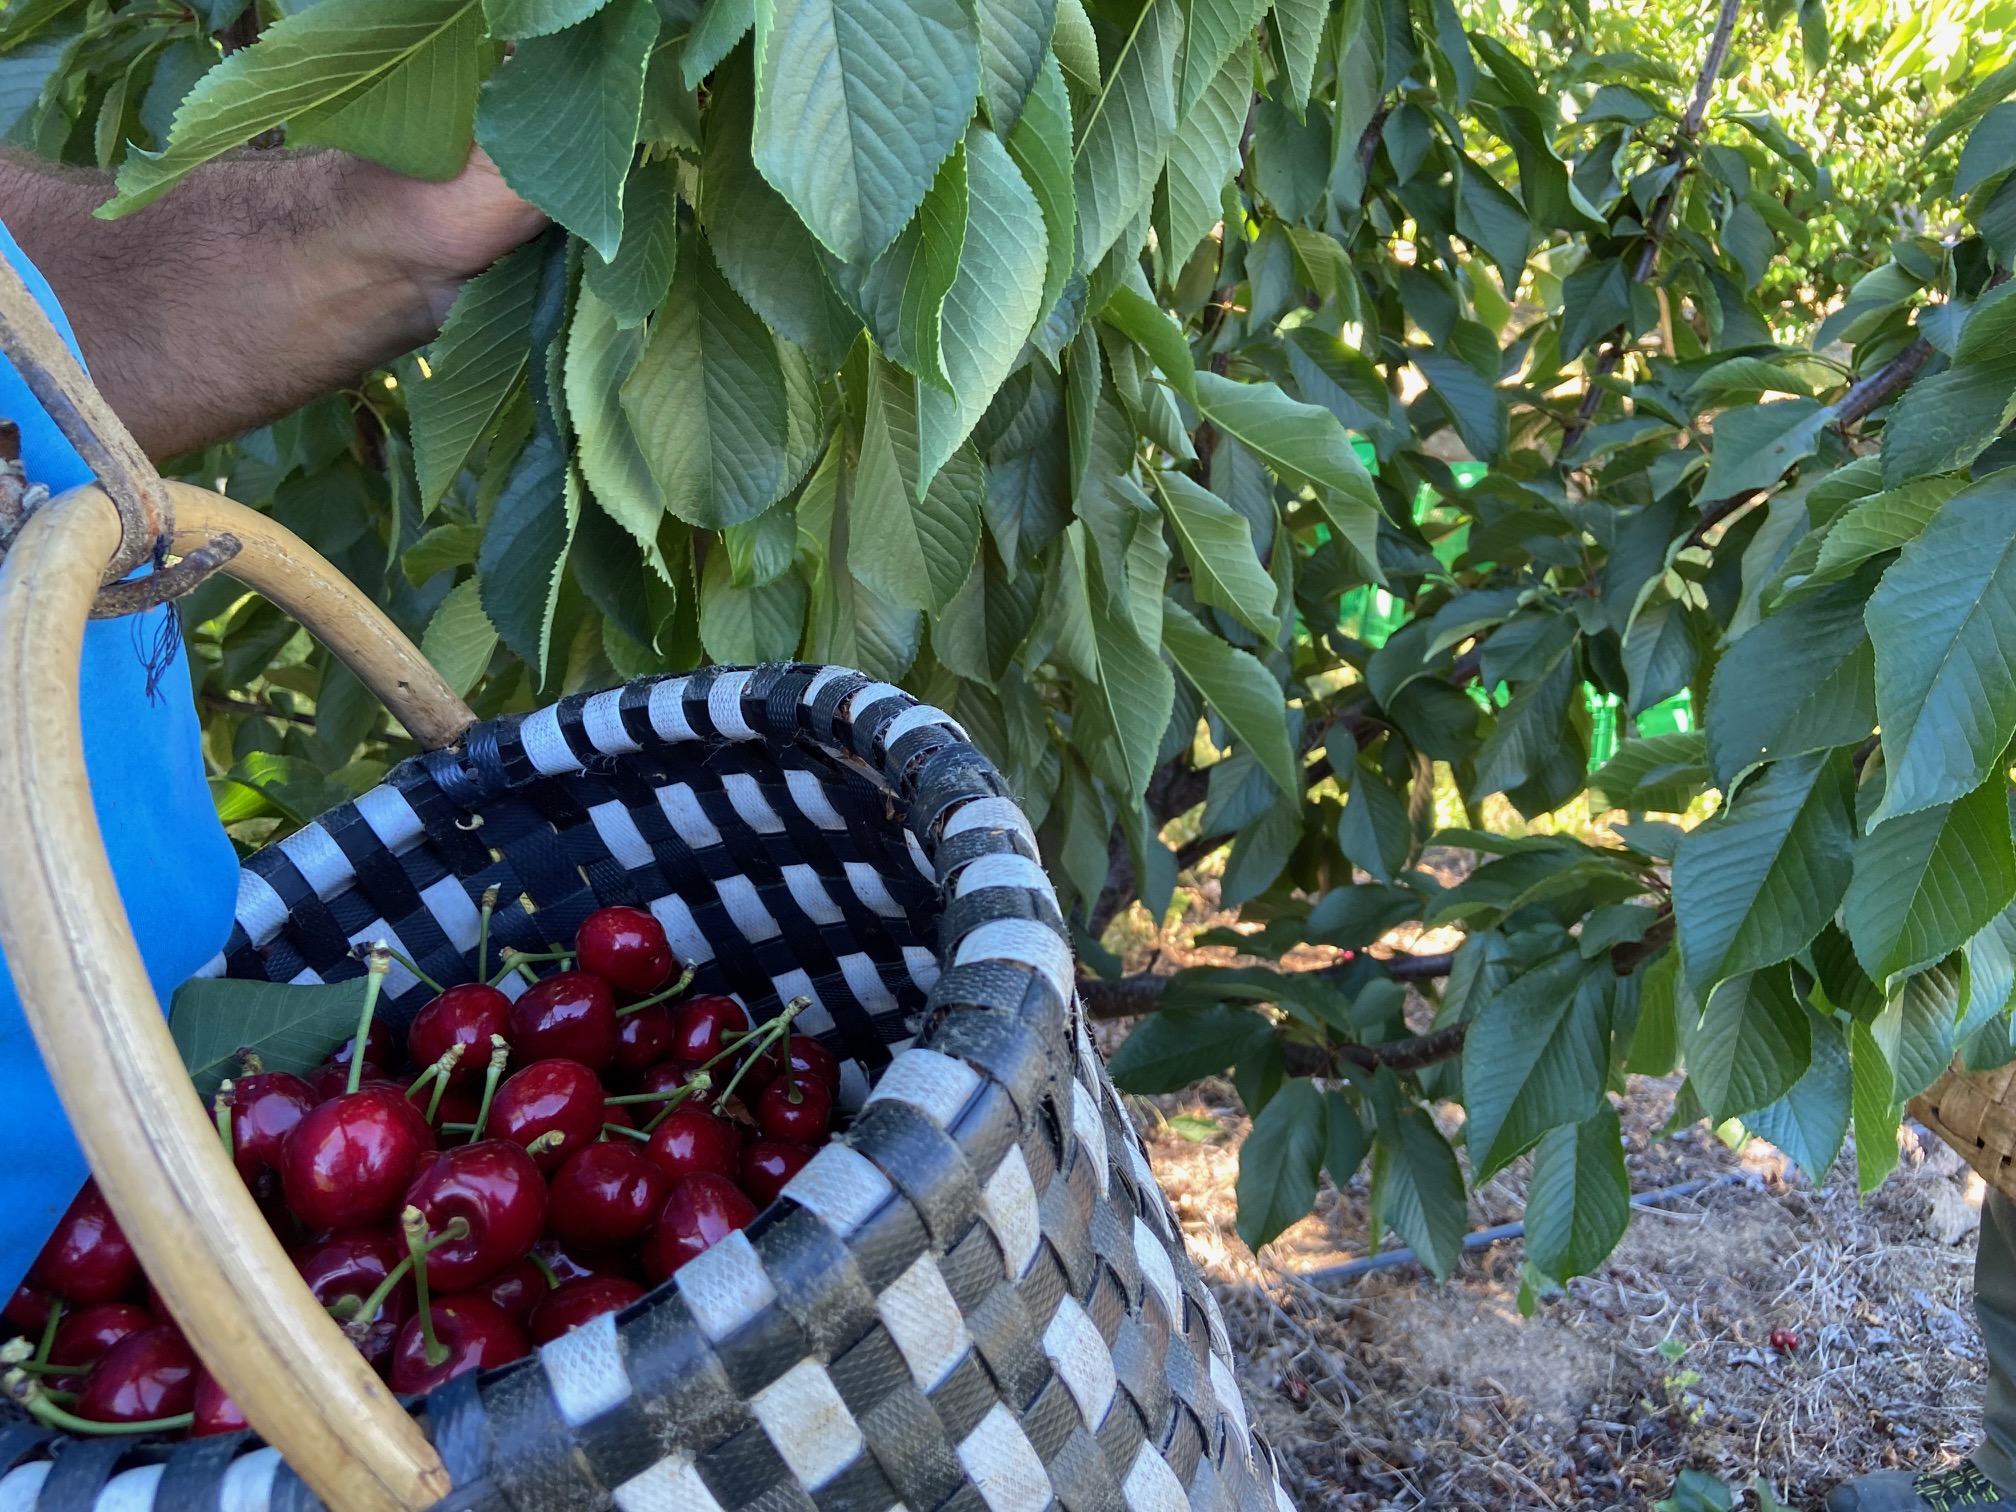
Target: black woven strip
(391, 890)
(19, 1437)
(1043, 1285)
(983, 905)
(964, 1397)
(1111, 1238)
(1084, 1482)
(291, 1493)
(923, 1163)
(82, 1467)
(908, 1441)
(762, 1350)
(693, 702)
(973, 1267)
(971, 844)
(821, 721)
(1049, 1420)
(634, 707)
(817, 1282)
(532, 1456)
(1139, 1368)
(459, 1424)
(621, 1443)
(1066, 1209)
(954, 774)
(1183, 1447)
(746, 1471)
(451, 833)
(193, 1480)
(1013, 1354)
(1122, 1434)
(863, 727)
(673, 1368)
(999, 1044)
(574, 729)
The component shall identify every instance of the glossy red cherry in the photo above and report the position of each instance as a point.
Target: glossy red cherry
(644, 1037)
(214, 1411)
(498, 1190)
(770, 1163)
(87, 1260)
(330, 1080)
(264, 1109)
(703, 1026)
(810, 1058)
(799, 1110)
(351, 1266)
(515, 1290)
(577, 1302)
(670, 1076)
(701, 1212)
(27, 1311)
(466, 1015)
(545, 1097)
(571, 1265)
(693, 1140)
(458, 1105)
(475, 1333)
(607, 1196)
(571, 1016)
(627, 948)
(83, 1338)
(147, 1375)
(349, 1161)
(381, 1047)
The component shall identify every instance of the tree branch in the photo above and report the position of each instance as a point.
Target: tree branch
(1141, 994)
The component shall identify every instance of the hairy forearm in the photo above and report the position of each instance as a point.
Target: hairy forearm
(255, 286)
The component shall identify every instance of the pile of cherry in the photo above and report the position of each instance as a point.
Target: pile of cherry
(539, 1165)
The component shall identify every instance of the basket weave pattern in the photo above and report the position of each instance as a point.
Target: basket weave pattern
(1975, 1112)
(975, 1300)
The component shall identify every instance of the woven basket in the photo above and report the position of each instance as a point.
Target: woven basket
(974, 1299)
(1975, 1112)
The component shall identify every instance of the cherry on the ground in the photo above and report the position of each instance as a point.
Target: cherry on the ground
(576, 1302)
(548, 1097)
(695, 1140)
(627, 948)
(214, 1411)
(607, 1196)
(265, 1107)
(476, 1335)
(796, 1109)
(768, 1164)
(147, 1375)
(568, 1016)
(87, 1260)
(494, 1186)
(349, 1161)
(466, 1015)
(84, 1337)
(701, 1212)
(516, 1289)
(702, 1028)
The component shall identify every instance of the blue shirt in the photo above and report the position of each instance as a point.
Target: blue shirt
(177, 873)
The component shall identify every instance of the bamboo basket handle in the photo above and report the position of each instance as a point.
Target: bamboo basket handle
(101, 1032)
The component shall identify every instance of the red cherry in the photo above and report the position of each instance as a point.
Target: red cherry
(576, 1302)
(768, 1164)
(476, 1334)
(703, 1027)
(810, 1058)
(352, 1265)
(498, 1190)
(515, 1290)
(465, 1015)
(27, 1311)
(571, 1016)
(692, 1140)
(349, 1161)
(626, 947)
(701, 1212)
(1784, 1340)
(545, 1097)
(264, 1109)
(83, 1338)
(799, 1111)
(670, 1076)
(330, 1080)
(215, 1412)
(617, 1114)
(607, 1196)
(147, 1375)
(644, 1037)
(569, 1265)
(87, 1260)
(381, 1047)
(458, 1105)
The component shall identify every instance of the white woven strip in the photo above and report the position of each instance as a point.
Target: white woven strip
(810, 894)
(871, 889)
(1025, 942)
(398, 981)
(724, 706)
(602, 718)
(745, 907)
(619, 832)
(922, 965)
(750, 803)
(865, 982)
(1158, 1272)
(842, 1186)
(918, 1310)
(1008, 1204)
(130, 1490)
(259, 909)
(809, 793)
(814, 1017)
(915, 719)
(822, 677)
(668, 711)
(460, 920)
(545, 745)
(1002, 1464)
(390, 817)
(319, 859)
(935, 1084)
(689, 941)
(682, 808)
(1225, 1386)
(1091, 1131)
(248, 1484)
(990, 813)
(866, 698)
(1006, 870)
(671, 1485)
(726, 1286)
(584, 1367)
(1083, 1361)
(1151, 1486)
(810, 1426)
(20, 1487)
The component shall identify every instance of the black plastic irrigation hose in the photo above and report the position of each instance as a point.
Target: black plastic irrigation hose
(1351, 1270)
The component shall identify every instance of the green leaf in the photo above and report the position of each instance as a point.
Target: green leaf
(440, 549)
(993, 303)
(1279, 1162)
(857, 103)
(536, 18)
(634, 283)
(1659, 773)
(1535, 1059)
(1014, 48)
(743, 625)
(1417, 1189)
(1300, 441)
(1133, 689)
(1926, 882)
(1041, 147)
(901, 295)
(1990, 149)
(561, 121)
(1301, 29)
(1373, 832)
(1347, 1143)
(1943, 622)
(707, 400)
(1204, 153)
(1655, 1042)
(1882, 522)
(1578, 1203)
(524, 553)
(1946, 421)
(1125, 136)
(600, 358)
(1149, 327)
(419, 118)
(1809, 1122)
(1753, 1042)
(1242, 691)
(1337, 377)
(1472, 400)
(1756, 444)
(312, 63)
(1167, 1051)
(1225, 570)
(1875, 1107)
(459, 639)
(1661, 652)
(1991, 90)
(719, 26)
(1916, 1027)
(1755, 885)
(476, 363)
(912, 553)
(1529, 730)
(289, 1027)
(1213, 30)
(1802, 680)
(1596, 300)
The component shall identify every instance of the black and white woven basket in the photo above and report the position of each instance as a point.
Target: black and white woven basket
(975, 1300)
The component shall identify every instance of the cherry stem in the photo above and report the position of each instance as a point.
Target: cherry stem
(523, 961)
(678, 987)
(38, 1367)
(758, 1042)
(500, 1052)
(249, 1062)
(49, 1330)
(609, 1128)
(432, 985)
(700, 1083)
(37, 1399)
(483, 934)
(539, 1261)
(414, 1223)
(437, 1076)
(367, 1310)
(221, 1107)
(374, 983)
(543, 1144)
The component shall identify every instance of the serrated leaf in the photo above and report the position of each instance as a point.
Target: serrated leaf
(1990, 149)
(1472, 400)
(1204, 153)
(1595, 300)
(1041, 147)
(289, 1027)
(1280, 1161)
(1882, 522)
(744, 625)
(1943, 622)
(1661, 651)
(1217, 541)
(1014, 48)
(1212, 31)
(1126, 134)
(524, 553)
(1875, 1108)
(635, 282)
(1926, 882)
(1418, 1189)
(536, 18)
(707, 400)
(1301, 29)
(857, 103)
(1347, 1143)
(1810, 1122)
(1373, 832)
(1528, 731)
(1945, 421)
(1578, 1202)
(1916, 1027)
(561, 121)
(1167, 1051)
(1149, 327)
(1660, 773)
(1802, 680)
(1753, 1042)
(915, 553)
(1755, 885)
(600, 358)
(475, 363)
(418, 118)
(1535, 1059)
(1757, 443)
(716, 30)
(1132, 686)
(901, 295)
(459, 639)
(442, 548)
(1240, 689)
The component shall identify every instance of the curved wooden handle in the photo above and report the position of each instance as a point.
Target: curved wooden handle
(102, 1034)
